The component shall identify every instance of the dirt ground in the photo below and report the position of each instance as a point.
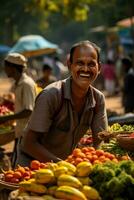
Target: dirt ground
(112, 103)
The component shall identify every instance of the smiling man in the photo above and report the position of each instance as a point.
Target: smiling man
(66, 109)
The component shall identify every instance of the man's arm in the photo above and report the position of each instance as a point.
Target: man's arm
(32, 147)
(100, 122)
(20, 115)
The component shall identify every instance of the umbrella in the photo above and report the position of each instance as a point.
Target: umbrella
(128, 22)
(4, 49)
(34, 45)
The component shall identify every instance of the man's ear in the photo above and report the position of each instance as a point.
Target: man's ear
(68, 63)
(99, 67)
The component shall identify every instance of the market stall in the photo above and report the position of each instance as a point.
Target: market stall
(87, 174)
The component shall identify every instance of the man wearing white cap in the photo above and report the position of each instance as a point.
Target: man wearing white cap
(24, 89)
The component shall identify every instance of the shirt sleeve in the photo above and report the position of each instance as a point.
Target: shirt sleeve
(100, 122)
(28, 97)
(41, 118)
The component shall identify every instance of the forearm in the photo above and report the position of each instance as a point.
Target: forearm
(19, 115)
(32, 147)
(40, 153)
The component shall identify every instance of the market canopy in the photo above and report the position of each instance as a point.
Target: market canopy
(4, 49)
(34, 45)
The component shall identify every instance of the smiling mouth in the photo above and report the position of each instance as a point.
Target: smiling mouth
(83, 75)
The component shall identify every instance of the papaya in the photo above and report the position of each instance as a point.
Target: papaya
(60, 170)
(69, 193)
(85, 180)
(83, 169)
(69, 180)
(91, 193)
(71, 168)
(44, 176)
(32, 186)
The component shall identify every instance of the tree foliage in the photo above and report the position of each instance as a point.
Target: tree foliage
(19, 17)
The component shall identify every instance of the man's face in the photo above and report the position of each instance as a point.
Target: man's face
(9, 71)
(84, 67)
(47, 73)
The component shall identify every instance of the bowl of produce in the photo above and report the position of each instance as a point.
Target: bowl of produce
(126, 141)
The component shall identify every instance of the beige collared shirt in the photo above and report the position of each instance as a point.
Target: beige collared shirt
(25, 94)
(60, 134)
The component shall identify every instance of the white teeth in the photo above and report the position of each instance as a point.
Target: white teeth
(85, 75)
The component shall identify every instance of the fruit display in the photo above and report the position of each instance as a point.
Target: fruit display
(61, 180)
(114, 181)
(91, 155)
(118, 128)
(86, 140)
(113, 147)
(22, 173)
(7, 100)
(5, 110)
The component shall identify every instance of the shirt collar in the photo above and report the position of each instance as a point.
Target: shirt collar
(21, 79)
(90, 101)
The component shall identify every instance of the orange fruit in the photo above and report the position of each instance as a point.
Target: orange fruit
(35, 165)
(76, 152)
(8, 177)
(21, 170)
(99, 152)
(85, 150)
(91, 149)
(89, 157)
(81, 155)
(17, 174)
(97, 162)
(94, 157)
(115, 160)
(78, 160)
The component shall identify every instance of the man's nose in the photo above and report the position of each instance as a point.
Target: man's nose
(85, 68)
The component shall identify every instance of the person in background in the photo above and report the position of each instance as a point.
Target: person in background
(47, 77)
(65, 110)
(109, 77)
(128, 88)
(24, 89)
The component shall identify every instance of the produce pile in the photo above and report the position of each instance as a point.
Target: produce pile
(86, 140)
(91, 155)
(61, 180)
(22, 173)
(114, 148)
(116, 128)
(5, 110)
(114, 181)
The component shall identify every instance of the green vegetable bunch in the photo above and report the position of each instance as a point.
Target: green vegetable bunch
(118, 128)
(114, 148)
(114, 181)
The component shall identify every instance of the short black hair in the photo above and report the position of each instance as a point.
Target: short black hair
(19, 68)
(84, 43)
(127, 61)
(46, 67)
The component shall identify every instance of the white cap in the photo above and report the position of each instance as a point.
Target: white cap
(17, 59)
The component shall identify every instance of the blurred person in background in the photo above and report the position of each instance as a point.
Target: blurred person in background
(109, 77)
(47, 76)
(24, 89)
(128, 87)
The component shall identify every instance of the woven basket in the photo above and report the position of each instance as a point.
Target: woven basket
(6, 185)
(6, 137)
(125, 142)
